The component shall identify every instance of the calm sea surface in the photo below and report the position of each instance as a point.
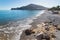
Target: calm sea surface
(7, 16)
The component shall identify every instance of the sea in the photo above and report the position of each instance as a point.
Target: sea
(15, 21)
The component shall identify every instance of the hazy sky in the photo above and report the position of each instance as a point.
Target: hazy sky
(7, 4)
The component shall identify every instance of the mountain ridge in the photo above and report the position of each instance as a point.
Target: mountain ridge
(30, 7)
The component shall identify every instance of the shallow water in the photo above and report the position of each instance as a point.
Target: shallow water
(14, 15)
(13, 22)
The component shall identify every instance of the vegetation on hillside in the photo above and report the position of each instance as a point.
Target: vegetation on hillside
(55, 8)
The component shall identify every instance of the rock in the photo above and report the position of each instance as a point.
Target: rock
(58, 27)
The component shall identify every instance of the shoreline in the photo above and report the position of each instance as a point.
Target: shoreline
(38, 20)
(16, 32)
(33, 25)
(45, 17)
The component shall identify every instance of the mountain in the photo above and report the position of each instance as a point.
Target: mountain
(30, 7)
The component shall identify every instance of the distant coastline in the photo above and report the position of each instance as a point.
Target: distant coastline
(30, 7)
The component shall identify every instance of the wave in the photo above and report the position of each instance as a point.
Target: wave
(17, 27)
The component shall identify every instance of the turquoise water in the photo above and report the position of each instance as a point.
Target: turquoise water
(7, 16)
(15, 21)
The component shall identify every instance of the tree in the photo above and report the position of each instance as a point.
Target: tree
(55, 8)
(58, 7)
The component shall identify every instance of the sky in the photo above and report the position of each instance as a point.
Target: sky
(8, 4)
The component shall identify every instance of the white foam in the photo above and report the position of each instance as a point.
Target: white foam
(40, 13)
(19, 26)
